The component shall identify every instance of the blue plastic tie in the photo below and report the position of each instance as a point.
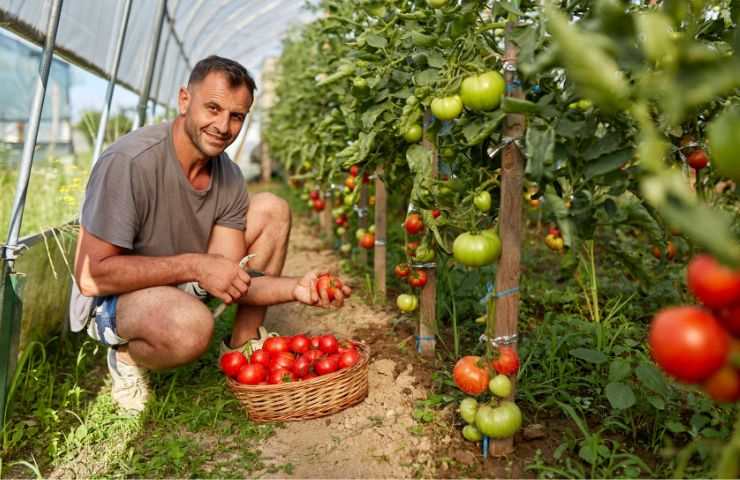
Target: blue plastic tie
(484, 446)
(507, 293)
(423, 338)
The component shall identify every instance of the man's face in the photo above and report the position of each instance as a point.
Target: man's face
(214, 112)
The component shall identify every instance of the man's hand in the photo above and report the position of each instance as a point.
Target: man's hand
(221, 277)
(306, 291)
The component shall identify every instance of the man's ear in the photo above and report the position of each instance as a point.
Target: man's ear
(183, 100)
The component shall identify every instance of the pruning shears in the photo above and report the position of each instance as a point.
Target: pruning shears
(252, 273)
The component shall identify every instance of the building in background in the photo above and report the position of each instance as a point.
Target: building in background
(19, 66)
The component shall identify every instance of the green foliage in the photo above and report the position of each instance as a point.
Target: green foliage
(89, 124)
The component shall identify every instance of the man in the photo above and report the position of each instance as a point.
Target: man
(166, 219)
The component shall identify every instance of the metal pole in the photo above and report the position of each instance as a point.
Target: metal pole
(159, 77)
(24, 175)
(144, 97)
(112, 82)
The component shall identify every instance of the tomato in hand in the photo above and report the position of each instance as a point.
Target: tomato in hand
(688, 343)
(232, 362)
(418, 278)
(413, 224)
(469, 377)
(715, 285)
(331, 284)
(507, 362)
(252, 374)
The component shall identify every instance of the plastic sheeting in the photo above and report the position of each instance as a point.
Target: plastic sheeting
(245, 30)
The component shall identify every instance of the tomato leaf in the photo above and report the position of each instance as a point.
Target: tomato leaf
(376, 40)
(620, 396)
(592, 356)
(556, 204)
(477, 132)
(608, 163)
(540, 150)
(518, 105)
(427, 77)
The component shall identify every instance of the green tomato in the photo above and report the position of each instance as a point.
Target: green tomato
(482, 201)
(304, 197)
(371, 228)
(501, 386)
(360, 87)
(341, 231)
(349, 200)
(468, 408)
(346, 248)
(424, 254)
(585, 104)
(407, 302)
(360, 233)
(413, 134)
(483, 92)
(500, 422)
(411, 100)
(447, 108)
(472, 434)
(436, 3)
(476, 250)
(723, 140)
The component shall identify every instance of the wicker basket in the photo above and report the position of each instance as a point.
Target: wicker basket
(306, 399)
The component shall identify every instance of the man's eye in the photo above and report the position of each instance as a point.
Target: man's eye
(212, 108)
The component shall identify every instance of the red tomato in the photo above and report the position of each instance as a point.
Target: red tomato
(724, 386)
(411, 248)
(301, 367)
(313, 355)
(698, 159)
(349, 358)
(261, 356)
(354, 170)
(688, 343)
(436, 213)
(280, 375)
(507, 362)
(331, 284)
(275, 345)
(714, 285)
(418, 278)
(367, 241)
(325, 365)
(469, 377)
(314, 195)
(252, 374)
(730, 319)
(402, 270)
(300, 344)
(319, 204)
(346, 346)
(366, 178)
(328, 343)
(284, 360)
(232, 362)
(315, 342)
(310, 375)
(350, 183)
(413, 224)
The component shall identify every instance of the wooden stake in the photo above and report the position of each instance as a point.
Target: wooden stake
(428, 302)
(363, 220)
(327, 222)
(510, 221)
(380, 235)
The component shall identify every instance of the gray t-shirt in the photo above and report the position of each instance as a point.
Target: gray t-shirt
(138, 198)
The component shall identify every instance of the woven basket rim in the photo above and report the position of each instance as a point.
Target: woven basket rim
(362, 347)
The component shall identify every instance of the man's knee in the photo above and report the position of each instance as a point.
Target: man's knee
(193, 330)
(271, 211)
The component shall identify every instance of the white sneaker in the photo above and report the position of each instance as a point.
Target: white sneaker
(254, 344)
(130, 385)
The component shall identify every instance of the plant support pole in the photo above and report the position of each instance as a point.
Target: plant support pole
(510, 219)
(427, 339)
(100, 139)
(363, 218)
(144, 97)
(381, 200)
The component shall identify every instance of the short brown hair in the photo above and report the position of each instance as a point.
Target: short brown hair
(234, 71)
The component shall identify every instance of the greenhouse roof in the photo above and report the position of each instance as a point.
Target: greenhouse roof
(245, 30)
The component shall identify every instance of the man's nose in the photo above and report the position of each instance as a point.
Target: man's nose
(222, 122)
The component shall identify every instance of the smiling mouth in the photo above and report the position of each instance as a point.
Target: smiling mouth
(216, 138)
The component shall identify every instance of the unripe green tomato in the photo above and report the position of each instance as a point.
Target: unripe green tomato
(585, 104)
(407, 303)
(468, 408)
(436, 3)
(722, 135)
(411, 100)
(424, 254)
(501, 386)
(483, 92)
(304, 197)
(482, 201)
(309, 203)
(359, 233)
(476, 250)
(471, 433)
(341, 231)
(371, 228)
(349, 200)
(413, 134)
(346, 248)
(447, 108)
(500, 422)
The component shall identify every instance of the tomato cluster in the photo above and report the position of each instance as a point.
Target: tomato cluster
(288, 359)
(701, 344)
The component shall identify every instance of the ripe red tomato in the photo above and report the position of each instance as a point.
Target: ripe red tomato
(331, 284)
(314, 195)
(354, 170)
(698, 159)
(328, 344)
(724, 386)
(343, 347)
(261, 356)
(280, 375)
(315, 342)
(319, 204)
(715, 285)
(275, 345)
(507, 362)
(309, 376)
(252, 374)
(688, 343)
(730, 319)
(326, 365)
(402, 270)
(301, 367)
(418, 278)
(284, 360)
(349, 358)
(232, 362)
(413, 224)
(368, 241)
(314, 354)
(469, 377)
(436, 213)
(411, 248)
(366, 178)
(350, 183)
(300, 344)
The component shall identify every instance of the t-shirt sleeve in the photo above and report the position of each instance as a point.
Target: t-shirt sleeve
(109, 209)
(233, 211)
